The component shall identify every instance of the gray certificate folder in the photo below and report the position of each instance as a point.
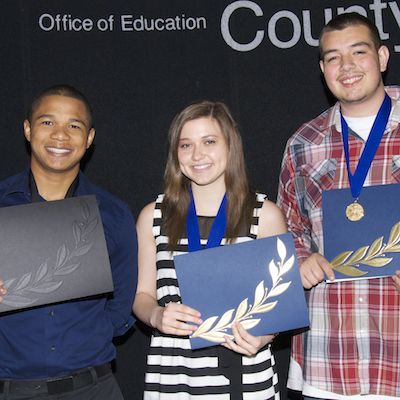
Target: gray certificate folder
(52, 251)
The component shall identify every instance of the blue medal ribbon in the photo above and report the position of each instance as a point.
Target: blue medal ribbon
(217, 229)
(357, 179)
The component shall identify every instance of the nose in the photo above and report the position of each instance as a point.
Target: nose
(59, 133)
(197, 152)
(347, 62)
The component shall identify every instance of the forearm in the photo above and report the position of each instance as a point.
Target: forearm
(119, 305)
(146, 308)
(123, 261)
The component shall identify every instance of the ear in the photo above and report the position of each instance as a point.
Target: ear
(90, 138)
(321, 65)
(383, 54)
(27, 130)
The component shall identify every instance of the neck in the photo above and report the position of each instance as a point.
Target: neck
(207, 199)
(363, 108)
(53, 186)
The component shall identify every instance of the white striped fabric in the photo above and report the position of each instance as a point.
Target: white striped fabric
(174, 371)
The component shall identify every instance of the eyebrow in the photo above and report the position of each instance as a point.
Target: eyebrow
(357, 44)
(211, 135)
(45, 116)
(78, 120)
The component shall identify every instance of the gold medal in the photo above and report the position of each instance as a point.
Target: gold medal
(354, 211)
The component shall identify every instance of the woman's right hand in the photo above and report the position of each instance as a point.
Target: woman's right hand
(175, 319)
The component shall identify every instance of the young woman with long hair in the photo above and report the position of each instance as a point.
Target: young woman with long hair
(205, 168)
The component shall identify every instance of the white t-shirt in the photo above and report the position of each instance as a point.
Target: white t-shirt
(361, 125)
(295, 382)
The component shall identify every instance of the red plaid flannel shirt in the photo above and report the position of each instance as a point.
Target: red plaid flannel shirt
(353, 346)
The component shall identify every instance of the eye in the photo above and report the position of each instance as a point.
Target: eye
(331, 59)
(210, 141)
(358, 52)
(184, 146)
(74, 126)
(46, 123)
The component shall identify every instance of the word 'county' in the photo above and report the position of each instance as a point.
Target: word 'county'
(297, 25)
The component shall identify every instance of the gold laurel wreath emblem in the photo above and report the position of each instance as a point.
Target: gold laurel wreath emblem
(214, 329)
(375, 255)
(48, 277)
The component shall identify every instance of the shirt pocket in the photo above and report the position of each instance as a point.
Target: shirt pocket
(396, 168)
(316, 178)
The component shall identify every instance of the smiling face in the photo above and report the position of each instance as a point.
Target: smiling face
(352, 67)
(59, 133)
(203, 152)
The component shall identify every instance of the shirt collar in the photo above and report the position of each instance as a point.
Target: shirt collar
(84, 185)
(394, 117)
(21, 184)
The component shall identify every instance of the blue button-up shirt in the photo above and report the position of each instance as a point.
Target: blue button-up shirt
(54, 340)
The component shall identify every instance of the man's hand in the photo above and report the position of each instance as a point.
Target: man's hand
(396, 280)
(314, 269)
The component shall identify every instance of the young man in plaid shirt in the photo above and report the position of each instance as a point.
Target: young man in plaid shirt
(352, 349)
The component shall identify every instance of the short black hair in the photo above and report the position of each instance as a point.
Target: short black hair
(343, 21)
(61, 90)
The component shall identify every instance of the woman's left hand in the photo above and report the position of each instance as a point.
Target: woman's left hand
(245, 343)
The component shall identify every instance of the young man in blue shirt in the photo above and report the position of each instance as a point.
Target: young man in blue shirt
(64, 350)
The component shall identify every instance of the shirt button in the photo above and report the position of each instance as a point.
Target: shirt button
(51, 313)
(360, 299)
(53, 348)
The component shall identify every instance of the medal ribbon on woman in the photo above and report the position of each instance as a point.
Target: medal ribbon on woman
(217, 231)
(355, 211)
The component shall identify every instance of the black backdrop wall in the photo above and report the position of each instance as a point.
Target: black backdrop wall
(140, 62)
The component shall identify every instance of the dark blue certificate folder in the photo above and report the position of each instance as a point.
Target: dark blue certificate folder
(52, 251)
(256, 282)
(369, 247)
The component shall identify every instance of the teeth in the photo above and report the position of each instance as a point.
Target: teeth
(202, 166)
(349, 81)
(57, 150)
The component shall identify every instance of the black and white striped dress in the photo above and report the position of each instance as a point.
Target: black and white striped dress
(173, 370)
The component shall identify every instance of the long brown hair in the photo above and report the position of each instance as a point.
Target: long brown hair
(176, 185)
